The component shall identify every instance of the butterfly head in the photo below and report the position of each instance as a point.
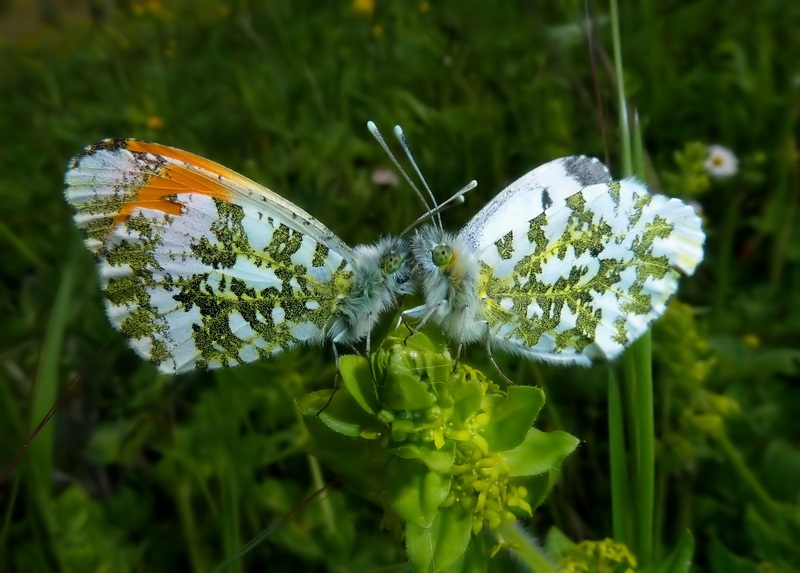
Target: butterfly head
(442, 255)
(442, 261)
(391, 262)
(395, 266)
(384, 266)
(435, 252)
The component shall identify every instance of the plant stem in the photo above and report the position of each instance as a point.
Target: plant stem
(325, 502)
(328, 513)
(637, 363)
(231, 534)
(642, 352)
(645, 454)
(620, 499)
(788, 229)
(725, 258)
(46, 388)
(191, 537)
(516, 540)
(624, 130)
(747, 476)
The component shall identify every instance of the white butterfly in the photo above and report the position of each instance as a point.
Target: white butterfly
(204, 268)
(563, 266)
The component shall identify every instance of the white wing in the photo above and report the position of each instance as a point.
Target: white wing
(129, 173)
(201, 267)
(583, 279)
(540, 189)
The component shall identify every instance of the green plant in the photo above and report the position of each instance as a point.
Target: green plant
(444, 450)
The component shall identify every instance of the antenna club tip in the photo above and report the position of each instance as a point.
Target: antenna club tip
(371, 126)
(398, 131)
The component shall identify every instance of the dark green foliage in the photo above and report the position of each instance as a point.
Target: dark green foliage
(141, 472)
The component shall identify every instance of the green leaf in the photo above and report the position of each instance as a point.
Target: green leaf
(774, 535)
(357, 378)
(400, 373)
(437, 365)
(556, 544)
(467, 395)
(342, 415)
(404, 391)
(357, 459)
(680, 559)
(540, 452)
(475, 559)
(437, 460)
(512, 416)
(415, 492)
(738, 360)
(539, 486)
(419, 341)
(84, 539)
(439, 546)
(783, 460)
(724, 561)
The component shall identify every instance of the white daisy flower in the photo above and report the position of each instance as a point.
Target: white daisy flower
(721, 162)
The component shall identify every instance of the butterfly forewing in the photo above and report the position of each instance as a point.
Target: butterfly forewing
(200, 266)
(539, 189)
(585, 277)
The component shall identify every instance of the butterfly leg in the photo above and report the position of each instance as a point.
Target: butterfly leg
(425, 317)
(335, 380)
(369, 335)
(396, 302)
(402, 320)
(458, 354)
(460, 338)
(491, 358)
(396, 305)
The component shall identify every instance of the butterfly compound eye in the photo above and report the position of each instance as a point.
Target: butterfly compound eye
(441, 255)
(390, 263)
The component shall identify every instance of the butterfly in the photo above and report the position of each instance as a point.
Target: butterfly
(564, 266)
(201, 267)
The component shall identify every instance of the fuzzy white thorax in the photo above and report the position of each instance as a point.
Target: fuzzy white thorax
(450, 292)
(373, 291)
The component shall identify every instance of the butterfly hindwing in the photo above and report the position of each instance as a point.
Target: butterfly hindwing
(583, 279)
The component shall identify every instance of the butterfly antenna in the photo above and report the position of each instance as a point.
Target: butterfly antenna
(377, 135)
(401, 137)
(456, 199)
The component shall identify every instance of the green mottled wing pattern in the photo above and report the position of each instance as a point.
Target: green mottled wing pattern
(200, 269)
(244, 287)
(585, 278)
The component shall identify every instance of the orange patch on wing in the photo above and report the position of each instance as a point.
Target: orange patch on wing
(190, 174)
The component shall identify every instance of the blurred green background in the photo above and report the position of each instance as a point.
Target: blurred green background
(138, 471)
